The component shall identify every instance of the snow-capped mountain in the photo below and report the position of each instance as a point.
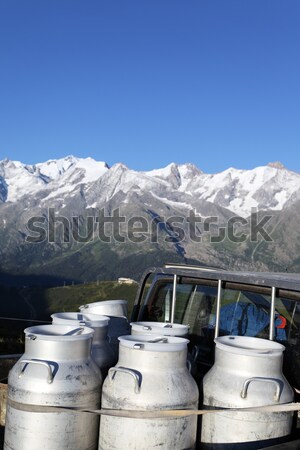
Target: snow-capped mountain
(59, 176)
(76, 188)
(269, 187)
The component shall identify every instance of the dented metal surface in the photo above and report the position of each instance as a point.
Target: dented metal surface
(118, 325)
(102, 351)
(75, 382)
(155, 378)
(247, 372)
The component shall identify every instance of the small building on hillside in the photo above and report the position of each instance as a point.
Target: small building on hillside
(126, 281)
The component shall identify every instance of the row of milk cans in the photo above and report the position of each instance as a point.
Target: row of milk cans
(88, 360)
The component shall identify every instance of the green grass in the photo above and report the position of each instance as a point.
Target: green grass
(38, 303)
(69, 298)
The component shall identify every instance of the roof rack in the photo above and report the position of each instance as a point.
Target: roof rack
(192, 267)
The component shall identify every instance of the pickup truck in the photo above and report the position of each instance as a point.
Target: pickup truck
(214, 303)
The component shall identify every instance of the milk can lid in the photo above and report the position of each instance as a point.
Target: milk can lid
(246, 345)
(58, 333)
(80, 318)
(154, 343)
(107, 307)
(162, 326)
(104, 303)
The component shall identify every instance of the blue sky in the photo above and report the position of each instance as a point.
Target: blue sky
(212, 82)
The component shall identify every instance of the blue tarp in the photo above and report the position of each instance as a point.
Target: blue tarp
(247, 319)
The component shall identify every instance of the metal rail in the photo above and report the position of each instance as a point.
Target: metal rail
(272, 315)
(174, 298)
(219, 296)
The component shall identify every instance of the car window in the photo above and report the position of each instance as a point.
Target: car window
(243, 312)
(195, 305)
(290, 323)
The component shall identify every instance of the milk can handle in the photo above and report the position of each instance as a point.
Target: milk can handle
(40, 362)
(82, 307)
(134, 373)
(158, 339)
(266, 380)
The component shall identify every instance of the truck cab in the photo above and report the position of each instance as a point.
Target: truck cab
(214, 303)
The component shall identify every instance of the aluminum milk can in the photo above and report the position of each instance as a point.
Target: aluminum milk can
(151, 374)
(160, 328)
(116, 308)
(247, 372)
(102, 353)
(56, 370)
(118, 325)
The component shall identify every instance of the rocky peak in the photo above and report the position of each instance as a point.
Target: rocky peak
(276, 165)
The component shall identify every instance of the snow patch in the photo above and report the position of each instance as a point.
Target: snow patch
(265, 187)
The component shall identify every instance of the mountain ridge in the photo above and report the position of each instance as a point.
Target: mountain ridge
(181, 214)
(265, 187)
